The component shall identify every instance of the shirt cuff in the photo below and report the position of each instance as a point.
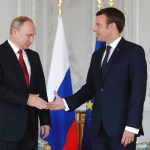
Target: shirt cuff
(131, 129)
(66, 105)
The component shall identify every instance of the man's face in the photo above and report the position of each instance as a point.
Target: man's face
(24, 36)
(102, 29)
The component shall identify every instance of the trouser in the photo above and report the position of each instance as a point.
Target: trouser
(29, 142)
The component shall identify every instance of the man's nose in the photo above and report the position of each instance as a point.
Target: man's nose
(94, 29)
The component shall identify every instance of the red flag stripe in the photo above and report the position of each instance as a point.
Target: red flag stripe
(72, 138)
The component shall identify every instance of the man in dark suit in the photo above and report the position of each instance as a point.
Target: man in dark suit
(116, 79)
(23, 96)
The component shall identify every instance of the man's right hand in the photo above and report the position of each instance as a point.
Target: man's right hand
(36, 101)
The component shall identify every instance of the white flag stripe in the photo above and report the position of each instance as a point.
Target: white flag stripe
(59, 63)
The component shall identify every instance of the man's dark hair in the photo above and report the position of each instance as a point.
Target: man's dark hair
(113, 16)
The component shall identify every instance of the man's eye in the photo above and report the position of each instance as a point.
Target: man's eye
(29, 35)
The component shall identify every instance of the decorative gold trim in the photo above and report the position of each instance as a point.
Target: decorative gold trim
(59, 7)
(111, 3)
(100, 4)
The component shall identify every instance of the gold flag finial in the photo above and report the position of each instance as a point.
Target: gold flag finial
(111, 3)
(59, 7)
(100, 2)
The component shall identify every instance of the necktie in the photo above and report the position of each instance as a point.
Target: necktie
(104, 64)
(24, 68)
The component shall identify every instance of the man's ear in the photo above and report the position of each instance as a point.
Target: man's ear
(113, 26)
(15, 31)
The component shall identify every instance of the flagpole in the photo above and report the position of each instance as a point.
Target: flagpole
(60, 7)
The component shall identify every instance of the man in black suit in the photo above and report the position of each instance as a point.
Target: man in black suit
(23, 96)
(116, 79)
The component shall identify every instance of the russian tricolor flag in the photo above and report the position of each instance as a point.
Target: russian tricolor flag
(63, 133)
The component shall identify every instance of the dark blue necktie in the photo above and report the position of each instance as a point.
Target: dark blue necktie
(104, 64)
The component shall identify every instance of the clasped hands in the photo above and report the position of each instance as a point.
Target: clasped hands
(35, 101)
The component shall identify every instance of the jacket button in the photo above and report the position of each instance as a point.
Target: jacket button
(102, 89)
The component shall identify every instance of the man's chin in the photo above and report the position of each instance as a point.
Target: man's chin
(100, 40)
(27, 47)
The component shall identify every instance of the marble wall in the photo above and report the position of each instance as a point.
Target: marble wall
(78, 19)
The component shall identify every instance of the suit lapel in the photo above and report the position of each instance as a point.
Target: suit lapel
(113, 57)
(13, 59)
(31, 66)
(99, 60)
(101, 56)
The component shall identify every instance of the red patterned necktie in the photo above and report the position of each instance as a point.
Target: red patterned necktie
(24, 68)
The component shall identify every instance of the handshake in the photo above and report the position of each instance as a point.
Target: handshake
(35, 101)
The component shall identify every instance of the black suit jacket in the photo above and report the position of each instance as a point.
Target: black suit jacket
(14, 112)
(119, 96)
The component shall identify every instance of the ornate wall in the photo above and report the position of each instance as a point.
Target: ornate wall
(78, 19)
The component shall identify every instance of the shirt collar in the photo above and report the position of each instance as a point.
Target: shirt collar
(14, 47)
(115, 43)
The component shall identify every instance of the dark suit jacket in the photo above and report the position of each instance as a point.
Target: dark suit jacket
(119, 97)
(14, 112)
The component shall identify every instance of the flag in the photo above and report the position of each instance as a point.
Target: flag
(99, 45)
(63, 133)
(86, 140)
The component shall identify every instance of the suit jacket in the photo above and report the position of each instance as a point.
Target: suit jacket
(119, 96)
(14, 112)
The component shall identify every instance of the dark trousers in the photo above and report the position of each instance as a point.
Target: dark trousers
(104, 142)
(26, 144)
(29, 142)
